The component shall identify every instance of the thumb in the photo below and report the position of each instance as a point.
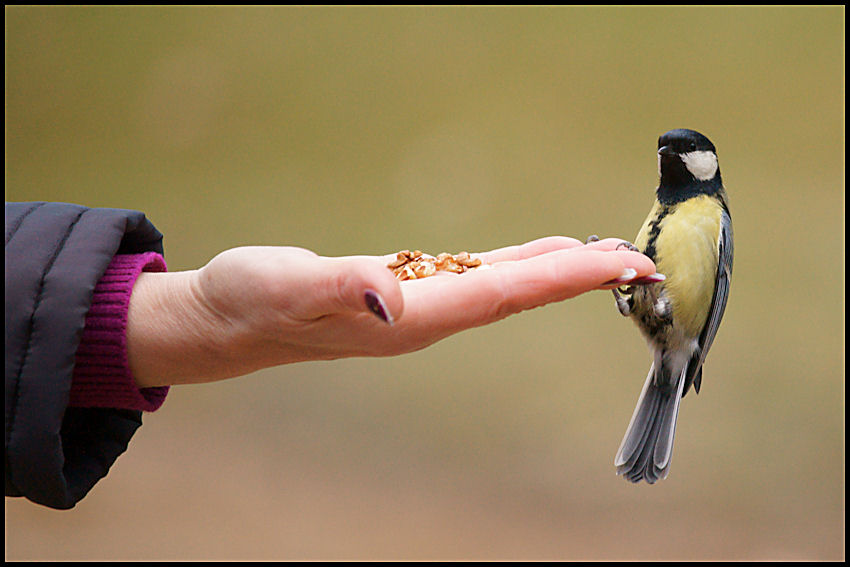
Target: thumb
(362, 284)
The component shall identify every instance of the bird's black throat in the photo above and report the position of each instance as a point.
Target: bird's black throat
(677, 185)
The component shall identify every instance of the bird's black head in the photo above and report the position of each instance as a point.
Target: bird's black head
(683, 141)
(687, 165)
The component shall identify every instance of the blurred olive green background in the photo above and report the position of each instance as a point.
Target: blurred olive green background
(368, 130)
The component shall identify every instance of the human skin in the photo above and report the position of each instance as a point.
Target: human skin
(256, 307)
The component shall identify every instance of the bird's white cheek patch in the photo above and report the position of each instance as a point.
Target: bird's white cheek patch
(702, 165)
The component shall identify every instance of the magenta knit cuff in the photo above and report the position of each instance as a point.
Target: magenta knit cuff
(102, 375)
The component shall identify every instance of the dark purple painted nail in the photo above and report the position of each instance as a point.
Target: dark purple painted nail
(376, 305)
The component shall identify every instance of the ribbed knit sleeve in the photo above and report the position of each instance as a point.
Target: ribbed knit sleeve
(102, 376)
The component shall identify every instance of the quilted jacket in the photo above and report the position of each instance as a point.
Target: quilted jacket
(55, 254)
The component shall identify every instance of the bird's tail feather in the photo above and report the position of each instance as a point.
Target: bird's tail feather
(647, 447)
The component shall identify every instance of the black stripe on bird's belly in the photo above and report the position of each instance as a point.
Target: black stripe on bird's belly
(655, 230)
(653, 325)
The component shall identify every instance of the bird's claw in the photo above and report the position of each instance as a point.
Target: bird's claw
(624, 305)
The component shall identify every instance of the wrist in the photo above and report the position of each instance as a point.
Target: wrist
(175, 337)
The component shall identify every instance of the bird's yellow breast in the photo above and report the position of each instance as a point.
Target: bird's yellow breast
(683, 241)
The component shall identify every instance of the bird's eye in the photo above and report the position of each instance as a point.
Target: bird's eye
(692, 147)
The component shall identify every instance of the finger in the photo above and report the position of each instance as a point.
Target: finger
(485, 295)
(643, 266)
(566, 273)
(359, 284)
(545, 245)
(518, 251)
(607, 244)
(528, 250)
(616, 245)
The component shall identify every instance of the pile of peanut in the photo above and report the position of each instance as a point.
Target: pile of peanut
(414, 265)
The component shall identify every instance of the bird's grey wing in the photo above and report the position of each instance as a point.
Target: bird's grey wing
(726, 250)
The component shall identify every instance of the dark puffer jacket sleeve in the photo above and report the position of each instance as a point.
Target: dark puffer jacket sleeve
(55, 253)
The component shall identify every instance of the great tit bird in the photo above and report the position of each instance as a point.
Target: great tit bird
(688, 234)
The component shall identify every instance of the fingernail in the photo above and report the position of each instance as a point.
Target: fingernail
(650, 279)
(376, 305)
(628, 275)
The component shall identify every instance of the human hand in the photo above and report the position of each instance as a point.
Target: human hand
(255, 307)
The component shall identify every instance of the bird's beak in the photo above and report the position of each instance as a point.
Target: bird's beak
(666, 151)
